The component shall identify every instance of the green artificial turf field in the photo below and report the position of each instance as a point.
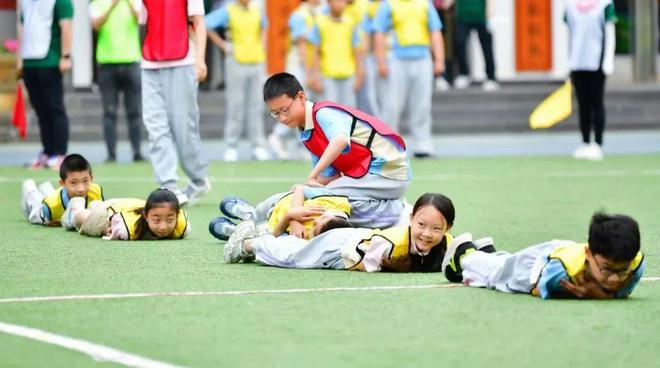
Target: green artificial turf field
(519, 201)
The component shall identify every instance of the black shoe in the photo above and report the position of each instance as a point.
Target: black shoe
(111, 159)
(138, 157)
(457, 249)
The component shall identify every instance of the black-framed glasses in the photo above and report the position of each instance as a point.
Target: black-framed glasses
(609, 272)
(284, 111)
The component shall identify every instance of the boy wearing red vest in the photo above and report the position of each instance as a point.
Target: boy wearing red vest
(172, 65)
(353, 153)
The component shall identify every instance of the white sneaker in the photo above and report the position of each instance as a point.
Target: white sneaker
(180, 195)
(233, 252)
(26, 187)
(461, 82)
(231, 155)
(490, 85)
(594, 152)
(277, 146)
(260, 154)
(196, 191)
(451, 248)
(581, 152)
(441, 85)
(46, 188)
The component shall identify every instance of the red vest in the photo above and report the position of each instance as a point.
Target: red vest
(166, 38)
(356, 162)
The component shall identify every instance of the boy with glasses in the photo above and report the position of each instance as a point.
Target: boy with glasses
(609, 266)
(353, 153)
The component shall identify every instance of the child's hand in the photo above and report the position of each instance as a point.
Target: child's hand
(297, 229)
(585, 289)
(304, 214)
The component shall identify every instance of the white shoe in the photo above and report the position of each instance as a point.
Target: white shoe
(196, 191)
(231, 155)
(26, 187)
(490, 85)
(594, 152)
(276, 144)
(260, 154)
(581, 152)
(233, 252)
(46, 188)
(441, 85)
(461, 82)
(180, 196)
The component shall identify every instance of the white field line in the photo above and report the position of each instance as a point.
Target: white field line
(222, 293)
(294, 179)
(55, 298)
(97, 352)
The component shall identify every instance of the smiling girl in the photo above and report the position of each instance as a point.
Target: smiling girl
(418, 247)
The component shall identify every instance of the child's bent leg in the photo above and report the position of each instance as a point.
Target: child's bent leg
(31, 202)
(264, 208)
(480, 269)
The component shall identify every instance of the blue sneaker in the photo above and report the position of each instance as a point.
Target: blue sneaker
(237, 209)
(221, 228)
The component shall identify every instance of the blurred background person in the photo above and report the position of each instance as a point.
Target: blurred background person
(173, 63)
(337, 71)
(416, 35)
(44, 34)
(118, 60)
(591, 58)
(245, 72)
(474, 15)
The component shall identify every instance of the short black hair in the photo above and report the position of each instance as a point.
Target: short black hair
(335, 223)
(615, 237)
(74, 163)
(281, 84)
(443, 204)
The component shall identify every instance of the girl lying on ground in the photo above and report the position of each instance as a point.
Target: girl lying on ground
(159, 217)
(418, 247)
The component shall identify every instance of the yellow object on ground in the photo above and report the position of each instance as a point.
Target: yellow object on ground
(554, 109)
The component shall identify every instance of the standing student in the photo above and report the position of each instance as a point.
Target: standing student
(44, 37)
(416, 35)
(608, 266)
(591, 58)
(246, 24)
(118, 58)
(299, 59)
(353, 153)
(337, 73)
(474, 15)
(418, 247)
(172, 66)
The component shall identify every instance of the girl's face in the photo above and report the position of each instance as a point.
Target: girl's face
(427, 228)
(161, 220)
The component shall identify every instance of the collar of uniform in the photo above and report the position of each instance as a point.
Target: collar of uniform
(309, 120)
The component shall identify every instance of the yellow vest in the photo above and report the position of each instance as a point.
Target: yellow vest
(337, 57)
(410, 20)
(126, 209)
(245, 28)
(328, 202)
(399, 237)
(56, 206)
(574, 258)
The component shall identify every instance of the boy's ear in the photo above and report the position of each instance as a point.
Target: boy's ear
(61, 182)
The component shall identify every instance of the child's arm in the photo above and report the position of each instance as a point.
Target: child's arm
(336, 146)
(215, 19)
(200, 47)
